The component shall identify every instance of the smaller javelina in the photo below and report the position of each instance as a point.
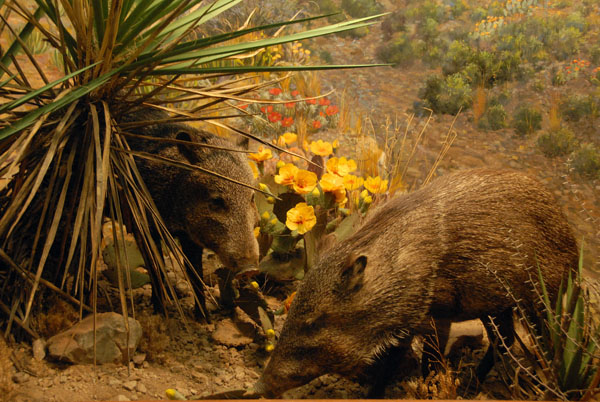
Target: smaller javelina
(425, 255)
(201, 210)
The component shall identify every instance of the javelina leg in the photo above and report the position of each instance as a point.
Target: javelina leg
(385, 369)
(195, 274)
(505, 325)
(434, 345)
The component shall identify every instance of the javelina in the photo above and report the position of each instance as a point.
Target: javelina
(198, 208)
(426, 255)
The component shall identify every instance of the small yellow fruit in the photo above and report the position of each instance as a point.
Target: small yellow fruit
(280, 164)
(269, 348)
(271, 200)
(368, 199)
(270, 333)
(263, 187)
(266, 215)
(254, 284)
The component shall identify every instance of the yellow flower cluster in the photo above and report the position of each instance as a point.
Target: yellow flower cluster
(321, 148)
(263, 154)
(301, 180)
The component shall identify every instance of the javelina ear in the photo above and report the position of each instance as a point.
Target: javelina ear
(353, 272)
(243, 143)
(186, 150)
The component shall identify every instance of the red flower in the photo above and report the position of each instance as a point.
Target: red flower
(316, 124)
(295, 93)
(290, 105)
(311, 101)
(331, 110)
(324, 102)
(267, 109)
(244, 106)
(274, 117)
(274, 91)
(286, 122)
(321, 114)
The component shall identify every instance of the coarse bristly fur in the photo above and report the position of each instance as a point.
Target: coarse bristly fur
(198, 208)
(427, 254)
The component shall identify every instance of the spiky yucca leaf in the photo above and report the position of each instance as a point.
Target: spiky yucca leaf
(64, 157)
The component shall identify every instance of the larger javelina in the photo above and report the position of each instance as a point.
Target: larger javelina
(428, 254)
(199, 209)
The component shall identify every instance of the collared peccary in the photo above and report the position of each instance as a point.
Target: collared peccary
(201, 210)
(436, 253)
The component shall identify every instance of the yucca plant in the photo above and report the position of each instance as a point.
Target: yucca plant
(562, 360)
(64, 159)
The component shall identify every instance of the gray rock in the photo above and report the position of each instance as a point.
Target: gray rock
(76, 345)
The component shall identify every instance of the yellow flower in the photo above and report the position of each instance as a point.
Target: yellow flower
(331, 182)
(341, 166)
(321, 147)
(304, 181)
(286, 174)
(280, 164)
(262, 155)
(335, 144)
(352, 182)
(375, 185)
(301, 218)
(289, 138)
(254, 169)
(266, 215)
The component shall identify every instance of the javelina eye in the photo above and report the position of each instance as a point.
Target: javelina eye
(218, 203)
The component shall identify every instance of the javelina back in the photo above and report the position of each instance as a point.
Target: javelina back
(198, 208)
(428, 254)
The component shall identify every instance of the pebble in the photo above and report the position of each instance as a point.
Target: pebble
(20, 377)
(140, 387)
(39, 349)
(113, 381)
(120, 397)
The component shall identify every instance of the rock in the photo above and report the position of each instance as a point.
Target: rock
(20, 377)
(227, 333)
(140, 387)
(76, 345)
(139, 358)
(39, 349)
(120, 397)
(130, 385)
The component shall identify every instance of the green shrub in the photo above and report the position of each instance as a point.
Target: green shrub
(458, 8)
(494, 118)
(459, 55)
(566, 43)
(427, 9)
(586, 161)
(556, 143)
(446, 95)
(362, 8)
(576, 107)
(595, 54)
(394, 22)
(401, 50)
(428, 29)
(478, 14)
(329, 7)
(527, 120)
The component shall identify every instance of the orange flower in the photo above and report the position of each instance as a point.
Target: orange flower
(301, 218)
(375, 185)
(286, 174)
(352, 182)
(275, 91)
(262, 155)
(341, 166)
(304, 181)
(274, 117)
(316, 124)
(287, 121)
(321, 147)
(324, 102)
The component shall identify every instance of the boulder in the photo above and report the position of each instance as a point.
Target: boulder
(76, 344)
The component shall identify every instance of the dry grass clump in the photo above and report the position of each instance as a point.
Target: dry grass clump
(58, 318)
(154, 336)
(438, 385)
(6, 371)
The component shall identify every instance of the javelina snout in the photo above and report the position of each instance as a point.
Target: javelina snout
(200, 209)
(436, 253)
